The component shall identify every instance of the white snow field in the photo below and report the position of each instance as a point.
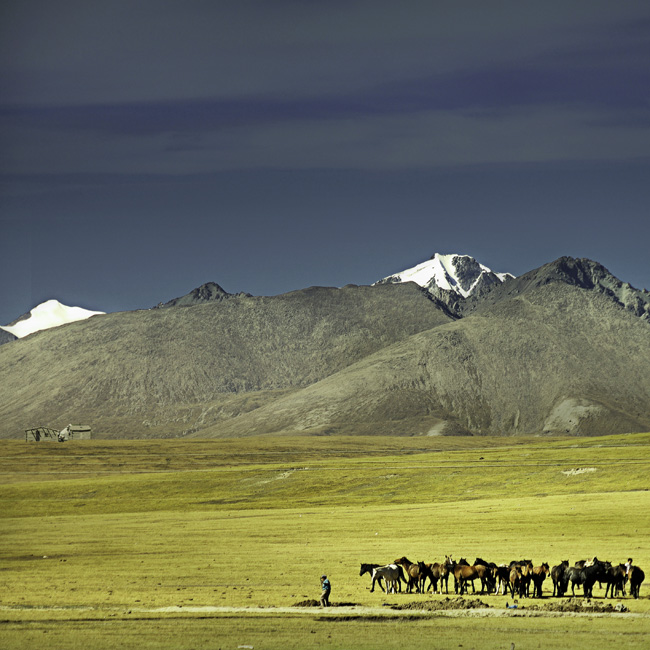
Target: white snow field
(48, 314)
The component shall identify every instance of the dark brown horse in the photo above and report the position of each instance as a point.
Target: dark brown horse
(635, 577)
(525, 576)
(502, 577)
(615, 580)
(414, 573)
(425, 572)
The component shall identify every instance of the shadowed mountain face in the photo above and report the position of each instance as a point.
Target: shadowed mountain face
(6, 337)
(562, 349)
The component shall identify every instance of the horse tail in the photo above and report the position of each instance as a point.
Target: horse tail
(401, 574)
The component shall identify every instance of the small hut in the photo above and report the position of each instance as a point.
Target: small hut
(75, 432)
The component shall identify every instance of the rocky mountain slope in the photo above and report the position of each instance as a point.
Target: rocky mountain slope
(555, 359)
(562, 349)
(208, 292)
(170, 371)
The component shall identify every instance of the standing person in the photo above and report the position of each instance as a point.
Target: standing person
(628, 565)
(326, 588)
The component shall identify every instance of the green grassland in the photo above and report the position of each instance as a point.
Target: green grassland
(116, 543)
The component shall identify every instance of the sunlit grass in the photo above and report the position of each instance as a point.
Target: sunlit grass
(256, 522)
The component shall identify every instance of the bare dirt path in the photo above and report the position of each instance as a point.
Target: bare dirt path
(346, 611)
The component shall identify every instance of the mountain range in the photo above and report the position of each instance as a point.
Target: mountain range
(446, 348)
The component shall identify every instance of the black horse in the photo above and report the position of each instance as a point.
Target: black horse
(597, 572)
(560, 583)
(636, 577)
(368, 568)
(587, 576)
(573, 575)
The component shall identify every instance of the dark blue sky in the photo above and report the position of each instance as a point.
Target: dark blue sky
(147, 147)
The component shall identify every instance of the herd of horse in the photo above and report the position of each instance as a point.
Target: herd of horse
(514, 578)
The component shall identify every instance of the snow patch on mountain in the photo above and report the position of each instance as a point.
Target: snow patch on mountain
(46, 315)
(460, 274)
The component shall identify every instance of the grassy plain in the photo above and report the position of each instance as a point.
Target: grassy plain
(202, 544)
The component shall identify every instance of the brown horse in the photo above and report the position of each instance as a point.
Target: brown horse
(538, 576)
(526, 574)
(440, 574)
(515, 580)
(414, 573)
(464, 574)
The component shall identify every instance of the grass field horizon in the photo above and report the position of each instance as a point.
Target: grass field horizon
(105, 538)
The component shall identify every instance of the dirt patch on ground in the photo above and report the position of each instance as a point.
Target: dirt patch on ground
(569, 606)
(573, 605)
(316, 603)
(447, 603)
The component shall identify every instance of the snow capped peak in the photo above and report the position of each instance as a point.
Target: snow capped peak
(460, 274)
(46, 315)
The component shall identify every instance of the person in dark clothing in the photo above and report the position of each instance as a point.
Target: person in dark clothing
(326, 588)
